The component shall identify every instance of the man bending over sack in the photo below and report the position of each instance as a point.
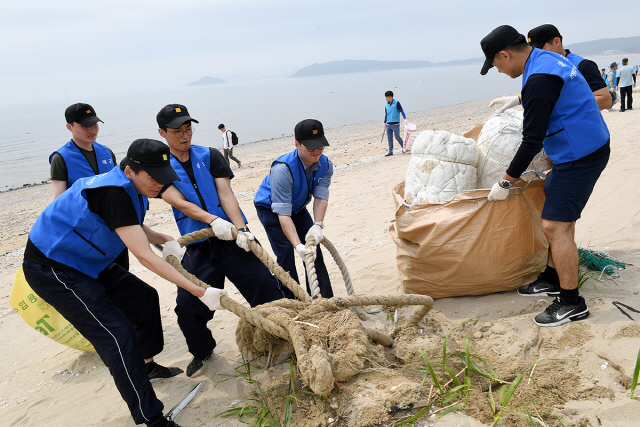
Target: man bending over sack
(283, 196)
(202, 198)
(68, 261)
(561, 115)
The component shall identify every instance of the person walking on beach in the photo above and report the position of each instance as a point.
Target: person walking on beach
(392, 111)
(227, 145)
(201, 197)
(612, 77)
(284, 194)
(68, 261)
(626, 83)
(82, 156)
(561, 115)
(547, 37)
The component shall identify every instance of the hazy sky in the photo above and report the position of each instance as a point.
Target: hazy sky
(93, 48)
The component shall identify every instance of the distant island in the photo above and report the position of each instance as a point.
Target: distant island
(602, 47)
(206, 80)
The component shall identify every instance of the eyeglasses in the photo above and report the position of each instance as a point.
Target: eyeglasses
(182, 133)
(320, 149)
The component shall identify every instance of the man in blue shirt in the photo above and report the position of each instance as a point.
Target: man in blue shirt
(282, 198)
(202, 198)
(625, 82)
(392, 110)
(68, 261)
(561, 115)
(547, 37)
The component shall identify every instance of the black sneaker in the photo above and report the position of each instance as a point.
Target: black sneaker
(539, 287)
(560, 312)
(388, 154)
(159, 372)
(163, 422)
(197, 363)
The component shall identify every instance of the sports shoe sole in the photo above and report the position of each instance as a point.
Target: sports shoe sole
(572, 318)
(541, 294)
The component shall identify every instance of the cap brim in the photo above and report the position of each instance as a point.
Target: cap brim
(314, 143)
(89, 121)
(163, 174)
(488, 63)
(538, 45)
(179, 121)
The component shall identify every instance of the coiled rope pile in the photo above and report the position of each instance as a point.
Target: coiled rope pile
(328, 338)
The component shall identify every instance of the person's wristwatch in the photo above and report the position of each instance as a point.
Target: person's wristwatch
(319, 224)
(504, 183)
(244, 230)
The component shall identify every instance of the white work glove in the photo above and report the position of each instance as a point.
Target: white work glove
(222, 228)
(316, 232)
(302, 251)
(504, 103)
(405, 122)
(498, 192)
(172, 247)
(243, 239)
(211, 298)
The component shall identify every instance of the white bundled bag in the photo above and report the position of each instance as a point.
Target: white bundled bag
(442, 165)
(498, 142)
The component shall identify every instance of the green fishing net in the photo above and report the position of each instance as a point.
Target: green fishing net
(599, 261)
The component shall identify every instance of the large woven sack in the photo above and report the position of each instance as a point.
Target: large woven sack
(468, 245)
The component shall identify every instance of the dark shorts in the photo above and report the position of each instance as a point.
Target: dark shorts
(568, 188)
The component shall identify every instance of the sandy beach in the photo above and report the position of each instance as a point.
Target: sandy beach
(586, 366)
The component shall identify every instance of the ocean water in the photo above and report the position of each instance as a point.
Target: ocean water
(255, 110)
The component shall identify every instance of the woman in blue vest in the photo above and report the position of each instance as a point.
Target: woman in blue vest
(284, 194)
(561, 115)
(68, 261)
(202, 198)
(392, 111)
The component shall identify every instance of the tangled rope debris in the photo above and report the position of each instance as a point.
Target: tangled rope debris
(327, 337)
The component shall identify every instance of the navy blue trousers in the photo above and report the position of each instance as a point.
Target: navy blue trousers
(285, 253)
(211, 261)
(120, 315)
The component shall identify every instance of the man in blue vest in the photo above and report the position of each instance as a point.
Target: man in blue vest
(82, 156)
(68, 261)
(561, 115)
(547, 37)
(202, 198)
(282, 198)
(392, 110)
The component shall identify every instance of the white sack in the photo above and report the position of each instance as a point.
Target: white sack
(498, 142)
(442, 164)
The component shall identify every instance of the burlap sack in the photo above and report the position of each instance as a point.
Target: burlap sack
(468, 245)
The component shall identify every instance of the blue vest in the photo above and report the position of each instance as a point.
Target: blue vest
(393, 115)
(200, 158)
(576, 127)
(574, 59)
(69, 233)
(302, 188)
(77, 164)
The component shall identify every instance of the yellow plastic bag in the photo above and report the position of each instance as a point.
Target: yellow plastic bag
(38, 314)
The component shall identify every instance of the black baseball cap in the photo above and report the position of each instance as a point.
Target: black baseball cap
(497, 40)
(154, 157)
(542, 34)
(81, 113)
(310, 133)
(173, 116)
